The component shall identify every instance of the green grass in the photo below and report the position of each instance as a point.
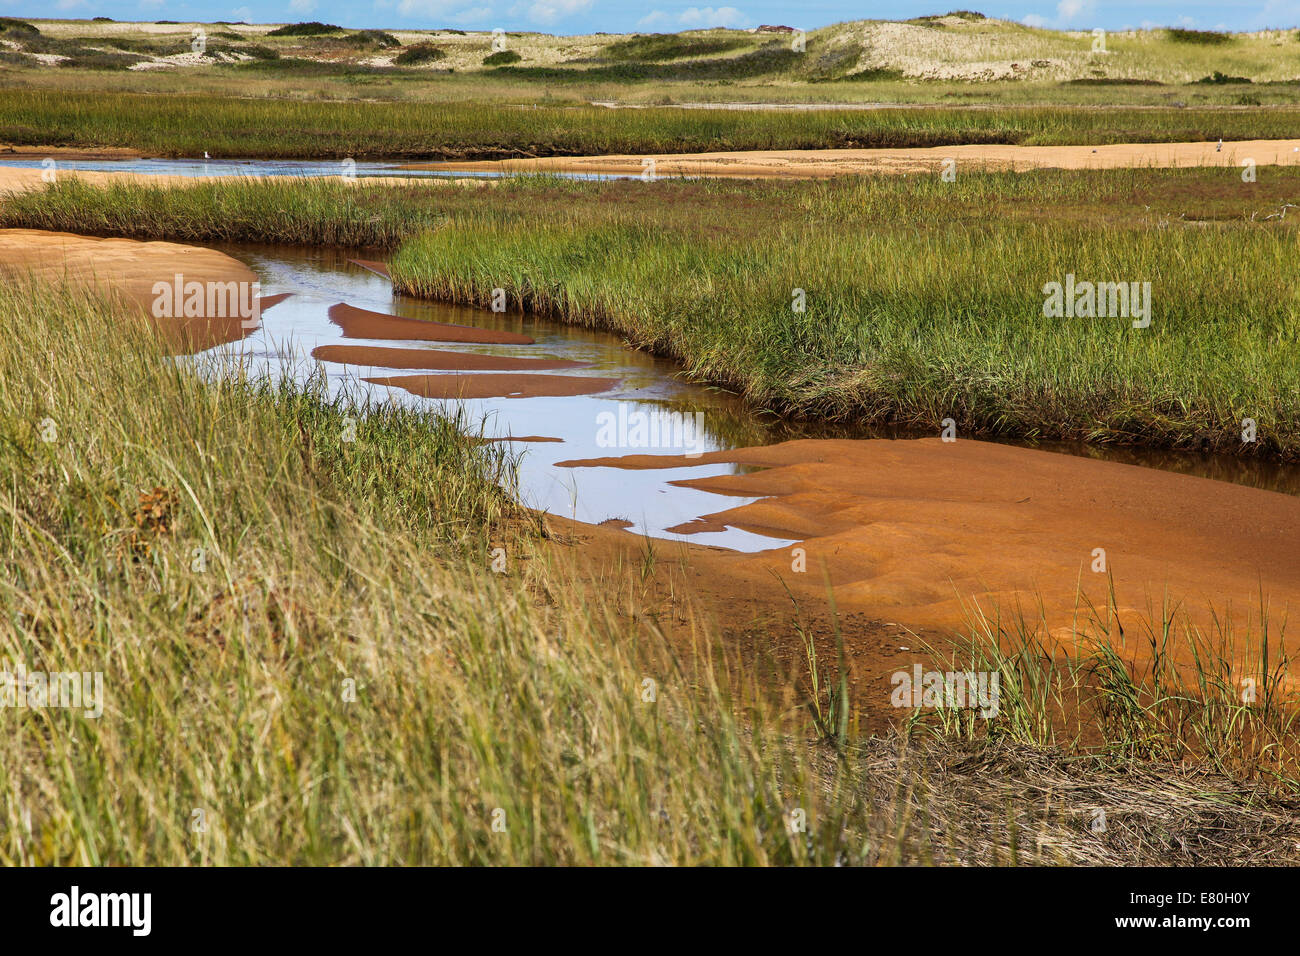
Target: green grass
(658, 47)
(912, 326)
(232, 127)
(907, 322)
(331, 566)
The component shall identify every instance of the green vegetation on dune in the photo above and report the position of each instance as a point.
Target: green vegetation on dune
(671, 46)
(232, 127)
(313, 28)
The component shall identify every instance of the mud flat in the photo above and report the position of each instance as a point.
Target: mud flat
(131, 269)
(456, 386)
(924, 531)
(824, 163)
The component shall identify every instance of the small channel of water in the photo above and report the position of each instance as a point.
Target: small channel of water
(320, 278)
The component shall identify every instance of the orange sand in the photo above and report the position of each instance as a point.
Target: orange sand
(131, 268)
(364, 324)
(823, 163)
(916, 529)
(434, 359)
(496, 386)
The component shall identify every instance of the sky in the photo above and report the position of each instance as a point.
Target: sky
(667, 16)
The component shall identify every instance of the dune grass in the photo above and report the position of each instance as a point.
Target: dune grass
(228, 126)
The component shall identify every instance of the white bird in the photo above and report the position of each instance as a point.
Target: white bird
(205, 155)
(1219, 148)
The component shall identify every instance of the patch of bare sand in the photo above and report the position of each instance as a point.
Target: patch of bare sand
(454, 385)
(918, 530)
(435, 359)
(825, 163)
(365, 324)
(131, 268)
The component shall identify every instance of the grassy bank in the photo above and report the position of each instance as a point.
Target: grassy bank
(940, 316)
(305, 658)
(226, 126)
(918, 326)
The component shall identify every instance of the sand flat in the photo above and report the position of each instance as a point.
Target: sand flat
(824, 163)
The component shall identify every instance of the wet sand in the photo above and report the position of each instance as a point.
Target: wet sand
(364, 324)
(434, 359)
(917, 530)
(130, 268)
(454, 386)
(824, 163)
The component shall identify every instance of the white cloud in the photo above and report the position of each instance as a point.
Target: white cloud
(242, 13)
(697, 18)
(1068, 13)
(549, 11)
(713, 17)
(302, 6)
(444, 11)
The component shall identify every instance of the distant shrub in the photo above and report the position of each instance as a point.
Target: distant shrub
(966, 15)
(313, 28)
(419, 53)
(16, 27)
(96, 60)
(1204, 37)
(371, 38)
(102, 20)
(260, 52)
(875, 74)
(1217, 78)
(501, 58)
(654, 47)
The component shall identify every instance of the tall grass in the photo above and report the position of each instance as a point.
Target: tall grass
(1169, 691)
(340, 679)
(904, 323)
(229, 126)
(913, 326)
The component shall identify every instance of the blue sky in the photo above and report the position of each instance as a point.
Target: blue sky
(618, 16)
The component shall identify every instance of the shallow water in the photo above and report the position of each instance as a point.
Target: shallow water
(320, 278)
(263, 167)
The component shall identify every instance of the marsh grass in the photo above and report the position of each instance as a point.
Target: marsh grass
(911, 326)
(234, 127)
(1220, 696)
(333, 567)
(342, 680)
(906, 323)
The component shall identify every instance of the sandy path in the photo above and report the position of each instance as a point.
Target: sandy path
(824, 163)
(131, 268)
(914, 529)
